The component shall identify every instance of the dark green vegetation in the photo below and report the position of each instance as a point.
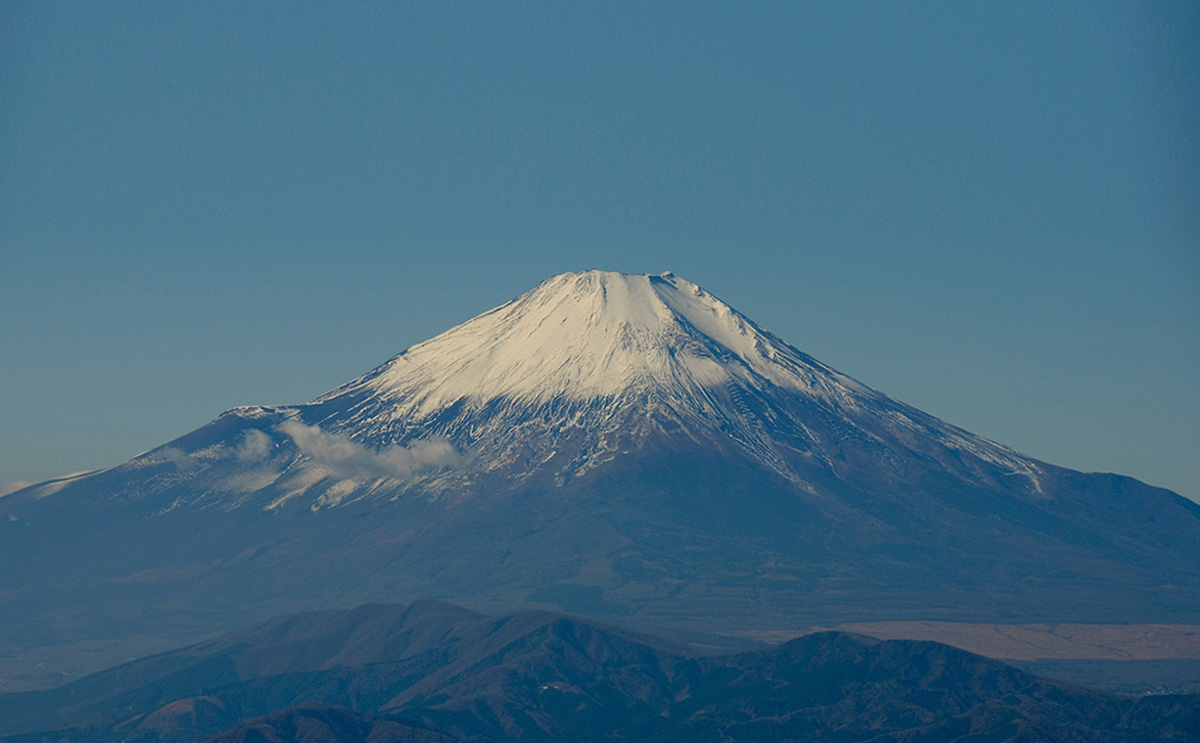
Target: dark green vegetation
(435, 672)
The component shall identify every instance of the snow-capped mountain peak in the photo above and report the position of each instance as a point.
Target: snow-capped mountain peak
(616, 441)
(584, 370)
(615, 362)
(587, 335)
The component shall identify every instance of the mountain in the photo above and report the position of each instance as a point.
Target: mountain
(435, 672)
(620, 446)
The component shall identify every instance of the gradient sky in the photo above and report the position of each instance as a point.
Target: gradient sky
(989, 211)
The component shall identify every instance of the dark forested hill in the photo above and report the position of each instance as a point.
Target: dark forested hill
(434, 672)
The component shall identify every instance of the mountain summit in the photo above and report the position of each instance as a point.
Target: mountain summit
(601, 341)
(593, 366)
(593, 335)
(626, 446)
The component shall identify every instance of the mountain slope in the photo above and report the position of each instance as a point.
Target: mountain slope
(625, 446)
(583, 369)
(436, 672)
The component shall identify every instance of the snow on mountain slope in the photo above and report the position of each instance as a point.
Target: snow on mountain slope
(581, 371)
(622, 358)
(590, 335)
(608, 443)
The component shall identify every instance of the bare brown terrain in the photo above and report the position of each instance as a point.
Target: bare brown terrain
(1035, 641)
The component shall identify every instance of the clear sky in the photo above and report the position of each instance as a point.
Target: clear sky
(989, 210)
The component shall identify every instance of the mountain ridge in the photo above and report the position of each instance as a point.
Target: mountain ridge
(436, 670)
(613, 358)
(781, 494)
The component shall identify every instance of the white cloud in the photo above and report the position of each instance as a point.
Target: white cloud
(178, 457)
(347, 458)
(255, 445)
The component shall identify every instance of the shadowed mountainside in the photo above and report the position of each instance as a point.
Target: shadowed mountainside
(626, 447)
(435, 672)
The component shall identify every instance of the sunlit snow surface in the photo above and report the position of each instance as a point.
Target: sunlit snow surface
(620, 356)
(583, 369)
(589, 335)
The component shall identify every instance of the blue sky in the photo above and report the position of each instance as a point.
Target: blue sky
(989, 211)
